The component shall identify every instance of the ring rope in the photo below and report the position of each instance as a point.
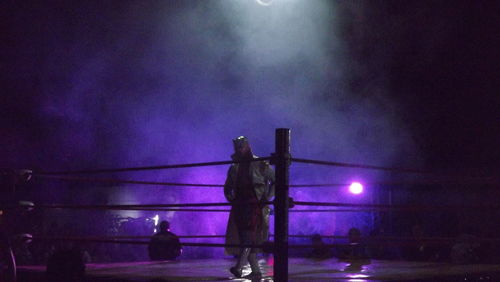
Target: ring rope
(396, 207)
(90, 171)
(268, 245)
(484, 180)
(363, 238)
(224, 210)
(135, 207)
(318, 185)
(308, 161)
(182, 210)
(392, 238)
(122, 181)
(187, 244)
(130, 237)
(291, 210)
(477, 180)
(166, 207)
(135, 242)
(334, 245)
(334, 210)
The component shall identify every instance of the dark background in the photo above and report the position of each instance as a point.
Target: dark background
(435, 63)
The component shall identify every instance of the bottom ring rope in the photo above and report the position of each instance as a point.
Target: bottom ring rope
(362, 240)
(136, 242)
(178, 207)
(397, 207)
(269, 246)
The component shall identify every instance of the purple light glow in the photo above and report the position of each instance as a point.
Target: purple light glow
(356, 188)
(160, 116)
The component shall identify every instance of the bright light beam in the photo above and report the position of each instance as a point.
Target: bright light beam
(264, 2)
(156, 219)
(356, 188)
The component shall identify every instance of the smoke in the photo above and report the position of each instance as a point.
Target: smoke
(156, 83)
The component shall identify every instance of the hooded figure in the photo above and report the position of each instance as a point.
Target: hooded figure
(248, 185)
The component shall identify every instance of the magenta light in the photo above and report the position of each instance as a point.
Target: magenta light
(356, 188)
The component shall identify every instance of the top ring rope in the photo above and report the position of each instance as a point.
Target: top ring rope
(407, 170)
(106, 170)
(124, 181)
(136, 207)
(132, 207)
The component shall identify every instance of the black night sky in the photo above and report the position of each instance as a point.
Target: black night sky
(441, 65)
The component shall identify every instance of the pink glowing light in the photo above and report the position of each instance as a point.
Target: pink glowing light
(356, 188)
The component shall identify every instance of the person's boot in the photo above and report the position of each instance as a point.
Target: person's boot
(254, 265)
(237, 270)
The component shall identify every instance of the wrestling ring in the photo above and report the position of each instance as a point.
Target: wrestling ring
(278, 265)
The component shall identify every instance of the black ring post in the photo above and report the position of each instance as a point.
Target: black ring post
(281, 204)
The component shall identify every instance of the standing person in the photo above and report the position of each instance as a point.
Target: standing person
(248, 186)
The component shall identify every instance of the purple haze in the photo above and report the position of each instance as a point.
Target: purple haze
(155, 83)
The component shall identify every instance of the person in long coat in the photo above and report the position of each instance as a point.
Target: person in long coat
(249, 184)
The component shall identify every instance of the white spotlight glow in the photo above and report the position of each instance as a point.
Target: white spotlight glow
(264, 2)
(356, 188)
(156, 219)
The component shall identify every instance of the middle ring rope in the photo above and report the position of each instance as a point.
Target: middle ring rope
(436, 181)
(367, 207)
(396, 207)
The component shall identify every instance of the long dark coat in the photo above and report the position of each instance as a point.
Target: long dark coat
(263, 179)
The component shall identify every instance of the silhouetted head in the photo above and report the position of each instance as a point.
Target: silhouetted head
(241, 146)
(164, 226)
